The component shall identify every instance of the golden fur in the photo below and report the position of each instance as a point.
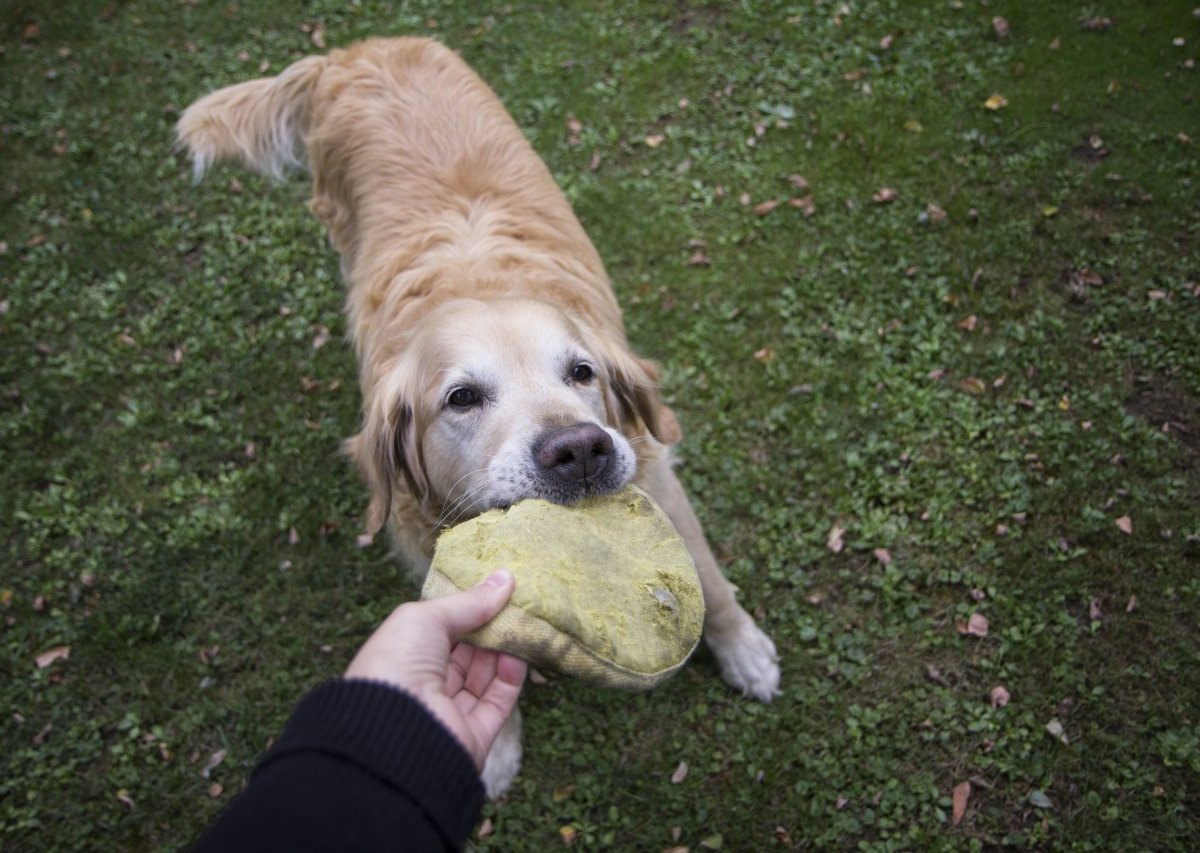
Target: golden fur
(465, 267)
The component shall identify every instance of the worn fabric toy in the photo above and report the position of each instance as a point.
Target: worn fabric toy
(606, 590)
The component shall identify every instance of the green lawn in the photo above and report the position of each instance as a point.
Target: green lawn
(978, 359)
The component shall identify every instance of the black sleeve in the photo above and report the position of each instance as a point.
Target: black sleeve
(361, 766)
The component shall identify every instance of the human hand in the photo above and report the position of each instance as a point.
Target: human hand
(472, 691)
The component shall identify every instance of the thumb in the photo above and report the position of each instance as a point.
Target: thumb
(464, 611)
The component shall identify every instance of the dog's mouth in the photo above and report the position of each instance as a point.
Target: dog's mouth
(562, 494)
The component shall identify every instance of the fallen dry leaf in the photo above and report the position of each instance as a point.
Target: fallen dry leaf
(763, 208)
(1131, 605)
(885, 43)
(996, 102)
(318, 36)
(962, 793)
(654, 140)
(568, 834)
(973, 385)
(124, 799)
(1000, 27)
(883, 556)
(699, 259)
(884, 195)
(975, 626)
(799, 182)
(51, 655)
(214, 761)
(680, 773)
(1097, 24)
(765, 354)
(321, 338)
(364, 540)
(485, 829)
(1095, 611)
(935, 213)
(999, 697)
(805, 204)
(1124, 524)
(215, 789)
(835, 540)
(969, 322)
(1055, 729)
(293, 536)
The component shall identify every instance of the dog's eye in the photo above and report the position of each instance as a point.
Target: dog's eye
(463, 398)
(582, 373)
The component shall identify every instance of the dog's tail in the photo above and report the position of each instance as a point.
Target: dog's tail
(261, 124)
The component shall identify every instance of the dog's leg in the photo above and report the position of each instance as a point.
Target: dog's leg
(504, 759)
(745, 654)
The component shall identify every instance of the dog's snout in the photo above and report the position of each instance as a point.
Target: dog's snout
(577, 452)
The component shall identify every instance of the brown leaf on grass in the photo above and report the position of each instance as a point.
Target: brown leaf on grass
(124, 799)
(51, 655)
(972, 385)
(680, 773)
(996, 102)
(293, 537)
(699, 259)
(975, 626)
(962, 793)
(1000, 27)
(835, 539)
(568, 834)
(1131, 605)
(805, 204)
(764, 355)
(969, 322)
(485, 829)
(885, 195)
(1095, 609)
(1124, 524)
(214, 761)
(654, 140)
(999, 697)
(321, 338)
(799, 182)
(318, 36)
(763, 208)
(215, 789)
(1097, 24)
(885, 43)
(935, 213)
(883, 556)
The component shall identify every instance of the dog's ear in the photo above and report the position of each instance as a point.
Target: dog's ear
(261, 124)
(388, 447)
(632, 395)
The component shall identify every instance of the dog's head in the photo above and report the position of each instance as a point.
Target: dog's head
(496, 401)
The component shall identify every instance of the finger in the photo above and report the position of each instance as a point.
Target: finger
(482, 671)
(464, 611)
(511, 669)
(460, 664)
(494, 707)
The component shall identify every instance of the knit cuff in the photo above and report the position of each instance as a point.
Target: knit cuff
(391, 735)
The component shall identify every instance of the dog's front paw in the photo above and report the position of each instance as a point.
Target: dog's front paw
(747, 659)
(504, 759)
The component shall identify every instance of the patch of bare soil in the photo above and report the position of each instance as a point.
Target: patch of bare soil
(1170, 409)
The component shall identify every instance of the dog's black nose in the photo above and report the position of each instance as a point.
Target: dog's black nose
(577, 452)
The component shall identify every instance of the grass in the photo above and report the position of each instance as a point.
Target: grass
(974, 399)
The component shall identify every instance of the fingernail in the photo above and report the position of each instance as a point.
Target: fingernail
(497, 578)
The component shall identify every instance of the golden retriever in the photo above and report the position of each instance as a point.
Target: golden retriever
(492, 355)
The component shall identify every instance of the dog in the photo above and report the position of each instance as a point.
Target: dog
(493, 360)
